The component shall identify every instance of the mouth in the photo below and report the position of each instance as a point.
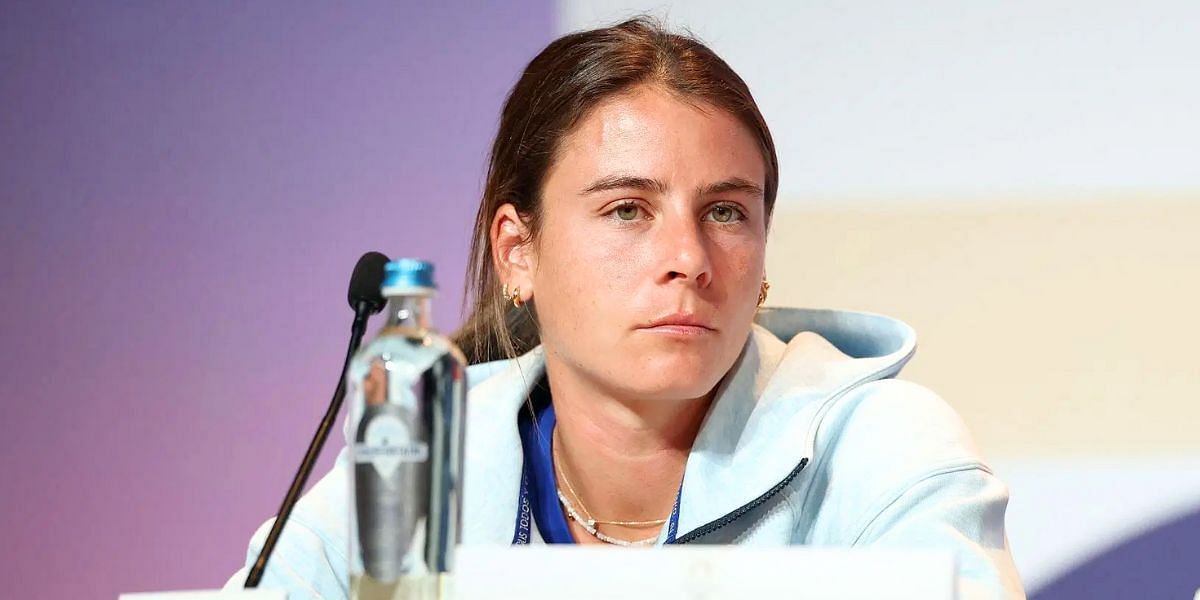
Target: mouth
(680, 324)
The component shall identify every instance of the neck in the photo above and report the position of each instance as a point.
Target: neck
(624, 457)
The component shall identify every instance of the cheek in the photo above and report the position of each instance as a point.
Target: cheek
(740, 263)
(596, 263)
(582, 282)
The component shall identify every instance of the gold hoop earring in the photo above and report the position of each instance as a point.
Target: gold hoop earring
(762, 291)
(514, 297)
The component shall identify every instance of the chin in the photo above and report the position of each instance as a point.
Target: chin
(678, 375)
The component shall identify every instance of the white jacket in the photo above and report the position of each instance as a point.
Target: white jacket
(810, 441)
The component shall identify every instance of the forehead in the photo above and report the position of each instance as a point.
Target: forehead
(650, 131)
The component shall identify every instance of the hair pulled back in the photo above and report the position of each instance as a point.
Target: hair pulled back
(558, 88)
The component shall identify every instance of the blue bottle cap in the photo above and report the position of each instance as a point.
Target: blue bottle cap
(407, 276)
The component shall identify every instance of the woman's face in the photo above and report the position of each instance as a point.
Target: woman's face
(650, 258)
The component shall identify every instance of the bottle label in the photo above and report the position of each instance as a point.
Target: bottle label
(387, 443)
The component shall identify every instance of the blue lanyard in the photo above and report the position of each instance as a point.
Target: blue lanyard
(538, 499)
(522, 532)
(524, 513)
(673, 523)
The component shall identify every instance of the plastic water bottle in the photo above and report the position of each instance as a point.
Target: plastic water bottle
(407, 396)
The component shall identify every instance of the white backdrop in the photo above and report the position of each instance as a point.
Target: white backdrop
(886, 98)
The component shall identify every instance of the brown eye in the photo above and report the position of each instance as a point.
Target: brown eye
(627, 212)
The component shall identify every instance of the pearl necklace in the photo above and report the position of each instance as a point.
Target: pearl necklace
(587, 522)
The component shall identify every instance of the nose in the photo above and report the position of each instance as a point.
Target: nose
(686, 253)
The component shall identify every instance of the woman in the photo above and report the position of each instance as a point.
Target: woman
(619, 253)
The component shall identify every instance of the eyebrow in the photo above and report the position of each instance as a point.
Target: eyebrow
(625, 182)
(736, 184)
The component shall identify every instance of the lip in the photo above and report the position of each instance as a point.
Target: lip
(679, 324)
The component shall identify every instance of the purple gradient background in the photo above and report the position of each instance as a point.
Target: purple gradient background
(185, 190)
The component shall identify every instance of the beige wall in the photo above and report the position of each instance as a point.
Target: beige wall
(1069, 326)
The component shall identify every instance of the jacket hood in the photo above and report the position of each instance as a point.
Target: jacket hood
(761, 426)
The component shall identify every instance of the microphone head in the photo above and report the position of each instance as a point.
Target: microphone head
(367, 282)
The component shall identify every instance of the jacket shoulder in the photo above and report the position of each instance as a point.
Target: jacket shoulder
(897, 423)
(897, 467)
(879, 440)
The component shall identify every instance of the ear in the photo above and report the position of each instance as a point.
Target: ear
(512, 251)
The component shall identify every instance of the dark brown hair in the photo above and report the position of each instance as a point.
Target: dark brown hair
(558, 88)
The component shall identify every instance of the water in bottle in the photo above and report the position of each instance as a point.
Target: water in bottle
(407, 396)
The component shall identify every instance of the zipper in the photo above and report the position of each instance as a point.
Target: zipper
(720, 523)
(712, 526)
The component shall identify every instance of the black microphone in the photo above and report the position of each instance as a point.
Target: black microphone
(366, 295)
(366, 298)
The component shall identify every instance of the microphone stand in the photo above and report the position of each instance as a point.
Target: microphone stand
(362, 311)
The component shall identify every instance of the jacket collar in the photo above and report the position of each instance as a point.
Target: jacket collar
(762, 423)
